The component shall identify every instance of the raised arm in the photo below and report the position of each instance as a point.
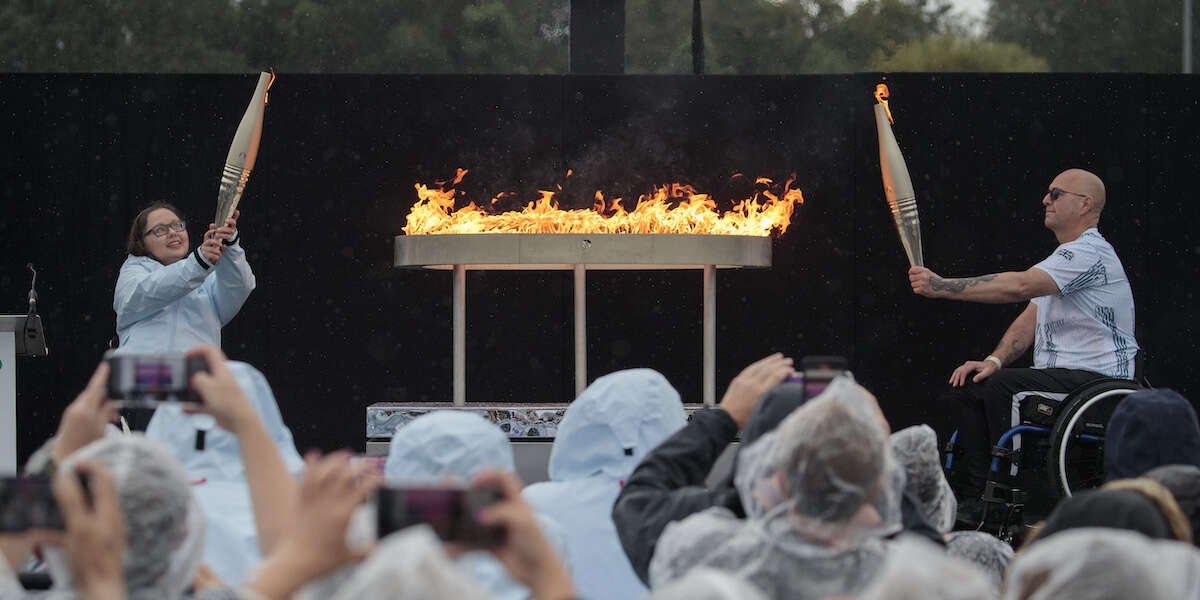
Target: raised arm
(996, 288)
(273, 492)
(234, 280)
(143, 290)
(1016, 340)
(668, 484)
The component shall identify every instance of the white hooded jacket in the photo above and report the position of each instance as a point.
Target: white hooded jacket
(607, 430)
(171, 308)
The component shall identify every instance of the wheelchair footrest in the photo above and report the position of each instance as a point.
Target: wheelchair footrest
(999, 493)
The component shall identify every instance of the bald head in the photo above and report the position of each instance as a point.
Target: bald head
(1076, 207)
(1085, 182)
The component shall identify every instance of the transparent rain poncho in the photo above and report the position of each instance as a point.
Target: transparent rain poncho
(703, 583)
(605, 433)
(818, 493)
(219, 476)
(1094, 563)
(982, 549)
(409, 564)
(457, 446)
(916, 449)
(917, 569)
(164, 526)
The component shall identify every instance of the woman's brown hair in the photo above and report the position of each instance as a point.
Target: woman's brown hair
(136, 245)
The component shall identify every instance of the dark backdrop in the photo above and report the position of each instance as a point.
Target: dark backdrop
(335, 327)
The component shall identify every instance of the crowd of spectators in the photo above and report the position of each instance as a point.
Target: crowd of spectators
(823, 501)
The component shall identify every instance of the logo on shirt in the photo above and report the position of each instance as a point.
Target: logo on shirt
(1067, 254)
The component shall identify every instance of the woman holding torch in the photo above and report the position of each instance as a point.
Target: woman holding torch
(170, 297)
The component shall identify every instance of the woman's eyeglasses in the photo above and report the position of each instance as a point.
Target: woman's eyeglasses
(1056, 193)
(161, 230)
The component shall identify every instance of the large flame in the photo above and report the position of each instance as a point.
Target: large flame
(673, 208)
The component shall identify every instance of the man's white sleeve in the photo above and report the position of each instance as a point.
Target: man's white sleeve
(1073, 267)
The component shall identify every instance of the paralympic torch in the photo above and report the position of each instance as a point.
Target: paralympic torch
(242, 152)
(897, 185)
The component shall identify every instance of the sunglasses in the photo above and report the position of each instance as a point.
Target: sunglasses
(1056, 193)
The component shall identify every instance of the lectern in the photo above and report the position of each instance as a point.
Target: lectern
(20, 335)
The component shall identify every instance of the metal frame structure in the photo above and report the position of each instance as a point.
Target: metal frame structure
(578, 253)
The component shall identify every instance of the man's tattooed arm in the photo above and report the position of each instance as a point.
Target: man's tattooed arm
(1015, 349)
(1018, 337)
(955, 286)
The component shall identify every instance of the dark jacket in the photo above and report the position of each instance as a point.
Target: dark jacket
(1148, 429)
(668, 485)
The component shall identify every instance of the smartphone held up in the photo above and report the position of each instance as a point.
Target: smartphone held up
(147, 379)
(27, 503)
(816, 372)
(449, 510)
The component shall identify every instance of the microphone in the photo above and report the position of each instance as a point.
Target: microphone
(33, 343)
(32, 290)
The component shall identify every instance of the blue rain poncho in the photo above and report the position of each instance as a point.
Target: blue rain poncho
(819, 493)
(1098, 563)
(172, 308)
(603, 436)
(458, 446)
(219, 476)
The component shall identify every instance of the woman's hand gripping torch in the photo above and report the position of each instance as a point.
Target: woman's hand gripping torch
(896, 183)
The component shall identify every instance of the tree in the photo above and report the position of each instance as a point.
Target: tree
(881, 26)
(318, 36)
(949, 52)
(777, 36)
(1091, 36)
(110, 35)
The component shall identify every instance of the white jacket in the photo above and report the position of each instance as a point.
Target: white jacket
(171, 308)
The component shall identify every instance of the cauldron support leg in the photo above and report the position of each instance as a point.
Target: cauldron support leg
(710, 335)
(580, 330)
(460, 335)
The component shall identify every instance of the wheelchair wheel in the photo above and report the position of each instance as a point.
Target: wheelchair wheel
(1076, 457)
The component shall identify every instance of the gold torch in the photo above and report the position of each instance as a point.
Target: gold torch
(896, 183)
(242, 152)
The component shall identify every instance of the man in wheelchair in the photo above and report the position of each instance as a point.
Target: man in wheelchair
(1079, 319)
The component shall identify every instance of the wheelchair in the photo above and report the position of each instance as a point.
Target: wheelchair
(1056, 450)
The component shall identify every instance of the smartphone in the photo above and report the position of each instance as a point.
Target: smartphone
(145, 379)
(816, 372)
(27, 502)
(449, 510)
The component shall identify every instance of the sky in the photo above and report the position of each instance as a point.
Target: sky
(974, 9)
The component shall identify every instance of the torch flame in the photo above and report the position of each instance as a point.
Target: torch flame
(672, 208)
(270, 82)
(881, 96)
